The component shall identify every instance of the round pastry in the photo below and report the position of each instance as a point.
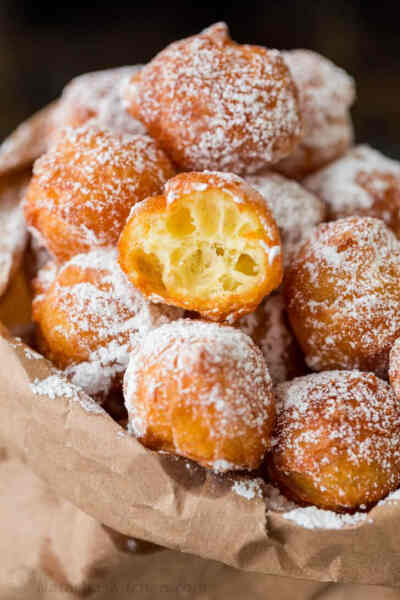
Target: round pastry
(343, 295)
(215, 104)
(96, 96)
(269, 328)
(201, 390)
(337, 440)
(84, 187)
(208, 244)
(295, 210)
(363, 182)
(326, 94)
(88, 316)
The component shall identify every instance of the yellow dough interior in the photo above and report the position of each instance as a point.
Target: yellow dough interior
(204, 246)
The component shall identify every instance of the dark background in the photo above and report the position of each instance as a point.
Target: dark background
(43, 45)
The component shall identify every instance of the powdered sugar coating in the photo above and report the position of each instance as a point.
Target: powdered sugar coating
(215, 104)
(363, 182)
(44, 279)
(207, 388)
(311, 517)
(337, 439)
(57, 386)
(13, 234)
(326, 94)
(248, 488)
(270, 330)
(343, 296)
(96, 96)
(84, 187)
(89, 317)
(295, 210)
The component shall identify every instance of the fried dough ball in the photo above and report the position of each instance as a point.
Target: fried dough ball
(269, 328)
(201, 390)
(326, 94)
(87, 317)
(295, 210)
(96, 96)
(208, 244)
(343, 295)
(337, 440)
(215, 104)
(363, 182)
(84, 187)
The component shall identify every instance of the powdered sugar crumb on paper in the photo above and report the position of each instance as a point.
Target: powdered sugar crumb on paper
(55, 386)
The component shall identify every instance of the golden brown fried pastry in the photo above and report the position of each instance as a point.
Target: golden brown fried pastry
(208, 244)
(96, 96)
(295, 210)
(269, 328)
(326, 94)
(343, 295)
(87, 317)
(337, 440)
(84, 187)
(363, 182)
(201, 390)
(215, 104)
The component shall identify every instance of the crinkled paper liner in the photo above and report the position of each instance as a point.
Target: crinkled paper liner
(88, 459)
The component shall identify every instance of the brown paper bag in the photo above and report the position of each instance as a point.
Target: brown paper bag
(50, 550)
(90, 461)
(26, 143)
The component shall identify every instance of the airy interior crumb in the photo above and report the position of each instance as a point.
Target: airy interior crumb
(206, 245)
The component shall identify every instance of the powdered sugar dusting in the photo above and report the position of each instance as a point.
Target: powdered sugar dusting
(91, 178)
(270, 330)
(312, 517)
(13, 234)
(243, 104)
(349, 298)
(103, 301)
(235, 381)
(56, 386)
(363, 182)
(97, 96)
(295, 210)
(326, 94)
(337, 418)
(248, 488)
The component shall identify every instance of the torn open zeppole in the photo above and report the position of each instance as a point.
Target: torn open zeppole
(208, 244)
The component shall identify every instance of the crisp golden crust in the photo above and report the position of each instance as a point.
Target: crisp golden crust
(215, 104)
(363, 182)
(326, 94)
(96, 96)
(269, 328)
(84, 187)
(201, 390)
(86, 317)
(337, 440)
(343, 295)
(208, 244)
